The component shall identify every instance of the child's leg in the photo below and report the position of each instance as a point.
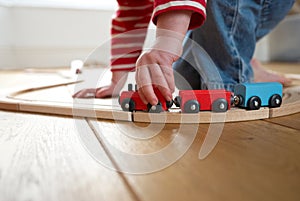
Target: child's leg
(272, 13)
(229, 36)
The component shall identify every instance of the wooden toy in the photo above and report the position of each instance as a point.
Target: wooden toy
(130, 101)
(193, 101)
(34, 101)
(254, 95)
(57, 99)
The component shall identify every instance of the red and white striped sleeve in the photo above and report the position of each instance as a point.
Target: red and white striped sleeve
(129, 26)
(129, 29)
(197, 6)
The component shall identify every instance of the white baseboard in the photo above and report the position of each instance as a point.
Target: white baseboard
(16, 58)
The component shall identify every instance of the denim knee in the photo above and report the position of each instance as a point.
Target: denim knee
(228, 36)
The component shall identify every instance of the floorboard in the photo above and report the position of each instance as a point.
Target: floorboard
(42, 158)
(255, 160)
(59, 158)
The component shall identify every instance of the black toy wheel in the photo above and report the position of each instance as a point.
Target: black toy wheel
(275, 100)
(155, 108)
(220, 105)
(169, 104)
(191, 106)
(254, 103)
(177, 101)
(128, 105)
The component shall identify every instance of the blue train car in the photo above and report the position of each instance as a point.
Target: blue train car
(254, 95)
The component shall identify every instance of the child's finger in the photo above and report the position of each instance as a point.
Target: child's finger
(159, 80)
(104, 92)
(144, 82)
(143, 76)
(142, 96)
(85, 93)
(169, 76)
(148, 92)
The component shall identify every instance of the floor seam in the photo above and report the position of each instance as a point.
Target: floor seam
(267, 120)
(134, 195)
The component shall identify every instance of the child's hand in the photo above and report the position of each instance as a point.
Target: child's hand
(117, 82)
(154, 67)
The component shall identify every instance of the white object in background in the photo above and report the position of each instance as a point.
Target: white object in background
(76, 66)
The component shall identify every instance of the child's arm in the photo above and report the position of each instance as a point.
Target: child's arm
(172, 19)
(129, 28)
(154, 67)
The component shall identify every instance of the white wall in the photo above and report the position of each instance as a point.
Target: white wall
(6, 36)
(5, 31)
(50, 37)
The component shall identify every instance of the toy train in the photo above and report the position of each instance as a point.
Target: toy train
(250, 96)
(193, 101)
(254, 95)
(130, 101)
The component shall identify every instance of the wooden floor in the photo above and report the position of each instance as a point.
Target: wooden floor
(46, 157)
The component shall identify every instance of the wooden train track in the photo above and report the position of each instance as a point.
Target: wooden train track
(44, 99)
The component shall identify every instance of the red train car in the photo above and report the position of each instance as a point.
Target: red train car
(130, 101)
(193, 101)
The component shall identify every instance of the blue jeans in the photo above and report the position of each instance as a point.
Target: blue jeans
(228, 36)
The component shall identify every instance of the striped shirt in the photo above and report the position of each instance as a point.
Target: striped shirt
(129, 26)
